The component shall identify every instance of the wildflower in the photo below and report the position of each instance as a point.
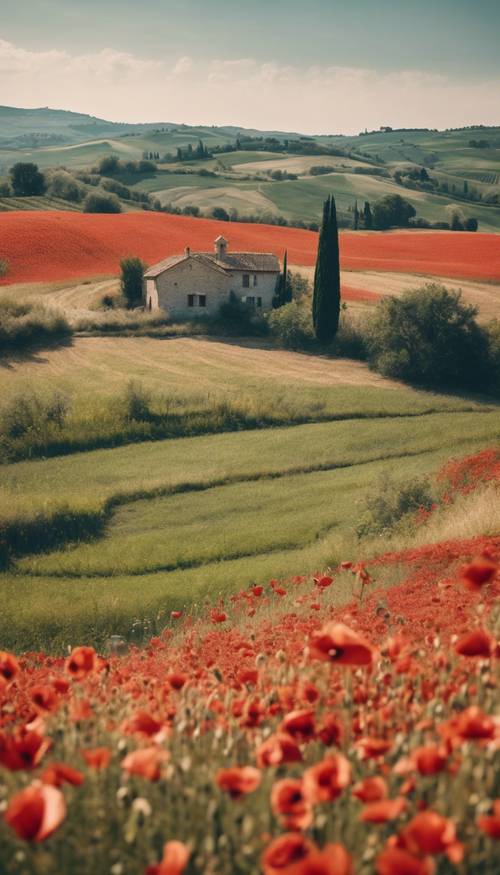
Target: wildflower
(81, 662)
(146, 762)
(397, 861)
(44, 698)
(174, 861)
(238, 780)
(36, 812)
(383, 810)
(371, 789)
(23, 750)
(429, 760)
(58, 774)
(478, 573)
(9, 668)
(323, 581)
(475, 643)
(430, 833)
(490, 823)
(332, 860)
(285, 853)
(176, 615)
(339, 644)
(299, 724)
(372, 747)
(326, 780)
(289, 803)
(97, 757)
(277, 749)
(177, 679)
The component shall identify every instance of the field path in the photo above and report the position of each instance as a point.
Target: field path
(44, 246)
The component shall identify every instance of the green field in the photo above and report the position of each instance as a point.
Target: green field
(188, 518)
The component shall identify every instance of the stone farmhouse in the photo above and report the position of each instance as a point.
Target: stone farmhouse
(202, 281)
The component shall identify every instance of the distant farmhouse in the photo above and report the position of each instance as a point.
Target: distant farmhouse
(205, 280)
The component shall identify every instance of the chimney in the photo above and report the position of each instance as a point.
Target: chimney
(220, 247)
(187, 250)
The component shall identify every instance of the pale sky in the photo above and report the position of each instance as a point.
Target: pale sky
(321, 66)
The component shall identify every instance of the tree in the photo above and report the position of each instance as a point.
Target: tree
(356, 216)
(368, 216)
(428, 336)
(27, 180)
(326, 294)
(131, 280)
(392, 211)
(101, 202)
(283, 292)
(221, 214)
(109, 165)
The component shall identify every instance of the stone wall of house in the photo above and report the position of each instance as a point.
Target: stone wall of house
(170, 290)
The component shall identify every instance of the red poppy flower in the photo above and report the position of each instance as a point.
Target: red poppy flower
(277, 749)
(143, 723)
(371, 789)
(283, 855)
(429, 760)
(146, 762)
(174, 861)
(257, 590)
(177, 679)
(475, 643)
(331, 730)
(218, 616)
(383, 810)
(372, 747)
(44, 698)
(289, 803)
(490, 823)
(81, 662)
(339, 644)
(58, 774)
(176, 615)
(36, 812)
(474, 723)
(332, 860)
(478, 573)
(300, 724)
(97, 757)
(397, 861)
(9, 668)
(238, 780)
(430, 833)
(323, 582)
(23, 750)
(326, 780)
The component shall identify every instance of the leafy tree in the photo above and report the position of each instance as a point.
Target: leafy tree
(429, 336)
(131, 280)
(471, 224)
(221, 214)
(392, 211)
(27, 180)
(101, 202)
(368, 216)
(326, 294)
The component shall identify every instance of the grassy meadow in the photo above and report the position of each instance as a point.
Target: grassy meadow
(106, 541)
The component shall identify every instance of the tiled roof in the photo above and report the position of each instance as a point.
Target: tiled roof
(251, 261)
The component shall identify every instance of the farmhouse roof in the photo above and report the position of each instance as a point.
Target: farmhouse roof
(255, 262)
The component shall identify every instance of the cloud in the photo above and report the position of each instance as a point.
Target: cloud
(241, 91)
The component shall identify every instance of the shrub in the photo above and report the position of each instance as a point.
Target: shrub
(393, 506)
(240, 318)
(135, 403)
(320, 169)
(27, 420)
(292, 325)
(471, 224)
(109, 165)
(101, 202)
(392, 211)
(492, 335)
(220, 213)
(24, 325)
(132, 273)
(65, 186)
(428, 336)
(350, 339)
(116, 187)
(5, 189)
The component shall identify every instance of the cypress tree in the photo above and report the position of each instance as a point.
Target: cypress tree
(286, 289)
(368, 216)
(356, 216)
(326, 295)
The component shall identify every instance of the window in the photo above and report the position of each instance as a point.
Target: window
(191, 300)
(250, 300)
(255, 279)
(202, 300)
(259, 302)
(246, 280)
(197, 300)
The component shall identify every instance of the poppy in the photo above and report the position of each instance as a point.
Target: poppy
(285, 853)
(429, 760)
(257, 590)
(289, 803)
(44, 698)
(326, 780)
(238, 780)
(218, 616)
(9, 668)
(36, 812)
(372, 747)
(277, 749)
(146, 762)
(300, 724)
(383, 810)
(332, 860)
(323, 582)
(475, 724)
(143, 723)
(490, 823)
(372, 789)
(336, 643)
(58, 774)
(81, 662)
(430, 833)
(478, 573)
(176, 615)
(174, 861)
(475, 643)
(177, 679)
(397, 861)
(331, 730)
(97, 757)
(23, 750)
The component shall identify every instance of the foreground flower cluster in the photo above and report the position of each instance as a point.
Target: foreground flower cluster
(280, 734)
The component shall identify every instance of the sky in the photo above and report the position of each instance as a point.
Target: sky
(314, 66)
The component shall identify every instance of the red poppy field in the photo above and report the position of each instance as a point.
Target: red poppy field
(50, 246)
(274, 733)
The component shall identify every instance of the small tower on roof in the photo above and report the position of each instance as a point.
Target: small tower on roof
(220, 247)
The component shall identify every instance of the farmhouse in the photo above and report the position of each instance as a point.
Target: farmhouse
(204, 280)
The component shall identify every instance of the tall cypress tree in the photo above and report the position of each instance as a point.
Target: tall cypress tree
(368, 216)
(286, 289)
(326, 295)
(356, 216)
